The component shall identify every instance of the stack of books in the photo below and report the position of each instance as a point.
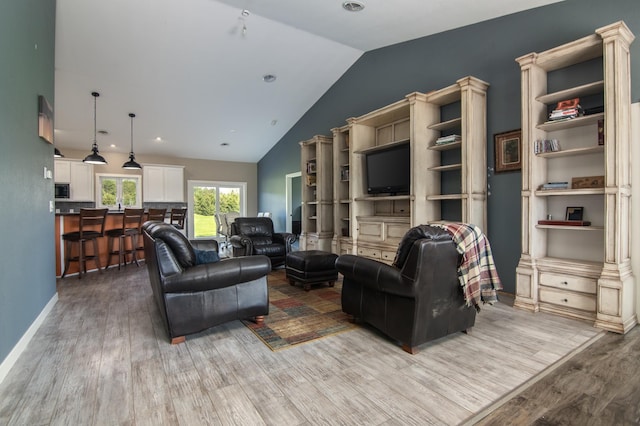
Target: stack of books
(547, 145)
(566, 110)
(443, 140)
(554, 185)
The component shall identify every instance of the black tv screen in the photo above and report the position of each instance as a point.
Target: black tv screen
(389, 170)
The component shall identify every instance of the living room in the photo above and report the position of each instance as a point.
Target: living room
(486, 50)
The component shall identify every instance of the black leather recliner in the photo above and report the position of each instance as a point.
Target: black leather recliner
(254, 236)
(192, 298)
(418, 301)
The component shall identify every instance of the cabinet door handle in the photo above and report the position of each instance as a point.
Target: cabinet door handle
(565, 300)
(564, 283)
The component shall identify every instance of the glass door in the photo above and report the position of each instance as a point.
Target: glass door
(208, 202)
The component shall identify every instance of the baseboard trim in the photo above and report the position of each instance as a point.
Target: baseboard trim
(17, 350)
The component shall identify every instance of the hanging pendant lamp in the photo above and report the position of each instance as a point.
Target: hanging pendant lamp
(131, 164)
(57, 153)
(95, 157)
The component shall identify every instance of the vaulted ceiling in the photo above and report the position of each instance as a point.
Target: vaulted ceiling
(192, 70)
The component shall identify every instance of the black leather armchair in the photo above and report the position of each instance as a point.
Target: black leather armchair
(192, 298)
(419, 301)
(254, 236)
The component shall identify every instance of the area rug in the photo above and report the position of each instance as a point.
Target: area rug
(297, 316)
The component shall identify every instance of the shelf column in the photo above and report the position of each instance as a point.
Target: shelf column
(533, 241)
(616, 302)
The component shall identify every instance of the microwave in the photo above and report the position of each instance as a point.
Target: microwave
(62, 190)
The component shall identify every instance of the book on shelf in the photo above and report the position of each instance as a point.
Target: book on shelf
(600, 132)
(565, 222)
(442, 140)
(554, 185)
(566, 110)
(546, 145)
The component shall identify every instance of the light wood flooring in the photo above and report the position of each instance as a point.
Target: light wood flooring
(102, 357)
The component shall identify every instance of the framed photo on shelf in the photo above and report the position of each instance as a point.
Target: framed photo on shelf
(508, 148)
(574, 213)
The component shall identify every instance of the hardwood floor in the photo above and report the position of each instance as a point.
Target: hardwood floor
(103, 357)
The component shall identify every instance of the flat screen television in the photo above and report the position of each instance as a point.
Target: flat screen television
(388, 171)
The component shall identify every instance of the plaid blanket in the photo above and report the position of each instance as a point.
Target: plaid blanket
(477, 272)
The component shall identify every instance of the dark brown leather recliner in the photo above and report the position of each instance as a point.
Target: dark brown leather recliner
(254, 236)
(418, 301)
(192, 298)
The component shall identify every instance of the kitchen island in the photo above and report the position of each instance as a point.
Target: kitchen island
(69, 222)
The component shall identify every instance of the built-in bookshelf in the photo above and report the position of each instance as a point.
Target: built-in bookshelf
(317, 193)
(578, 266)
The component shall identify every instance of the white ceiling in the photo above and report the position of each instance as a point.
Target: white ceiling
(193, 76)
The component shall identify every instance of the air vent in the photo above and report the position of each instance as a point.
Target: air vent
(353, 6)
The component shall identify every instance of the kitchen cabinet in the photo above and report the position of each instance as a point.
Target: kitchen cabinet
(78, 175)
(163, 183)
(62, 171)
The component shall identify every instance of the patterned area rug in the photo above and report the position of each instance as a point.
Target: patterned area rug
(297, 316)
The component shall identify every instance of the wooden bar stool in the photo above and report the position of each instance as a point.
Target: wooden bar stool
(157, 214)
(131, 225)
(178, 216)
(90, 228)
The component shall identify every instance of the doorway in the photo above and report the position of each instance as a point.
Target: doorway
(294, 202)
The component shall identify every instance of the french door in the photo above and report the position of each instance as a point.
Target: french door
(208, 200)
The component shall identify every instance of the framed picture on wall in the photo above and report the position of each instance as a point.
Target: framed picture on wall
(508, 149)
(45, 119)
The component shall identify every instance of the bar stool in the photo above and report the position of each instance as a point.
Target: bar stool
(157, 214)
(131, 225)
(177, 217)
(90, 228)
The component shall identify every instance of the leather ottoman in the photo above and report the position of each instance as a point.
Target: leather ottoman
(311, 267)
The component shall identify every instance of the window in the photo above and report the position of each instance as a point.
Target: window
(118, 191)
(208, 200)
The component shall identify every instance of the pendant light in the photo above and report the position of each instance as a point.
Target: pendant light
(131, 164)
(95, 157)
(57, 153)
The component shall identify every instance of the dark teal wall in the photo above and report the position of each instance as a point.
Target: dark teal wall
(27, 255)
(486, 50)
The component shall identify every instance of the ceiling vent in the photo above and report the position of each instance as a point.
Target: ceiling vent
(353, 6)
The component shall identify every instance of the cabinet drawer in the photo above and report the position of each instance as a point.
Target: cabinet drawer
(369, 252)
(388, 256)
(345, 248)
(568, 282)
(311, 243)
(371, 231)
(569, 299)
(394, 232)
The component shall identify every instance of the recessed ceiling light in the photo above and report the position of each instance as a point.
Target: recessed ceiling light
(113, 145)
(158, 139)
(353, 6)
(269, 78)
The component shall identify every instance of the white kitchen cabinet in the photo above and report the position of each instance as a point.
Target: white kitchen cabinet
(62, 171)
(163, 183)
(78, 175)
(81, 185)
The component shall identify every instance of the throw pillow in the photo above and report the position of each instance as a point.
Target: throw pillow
(206, 256)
